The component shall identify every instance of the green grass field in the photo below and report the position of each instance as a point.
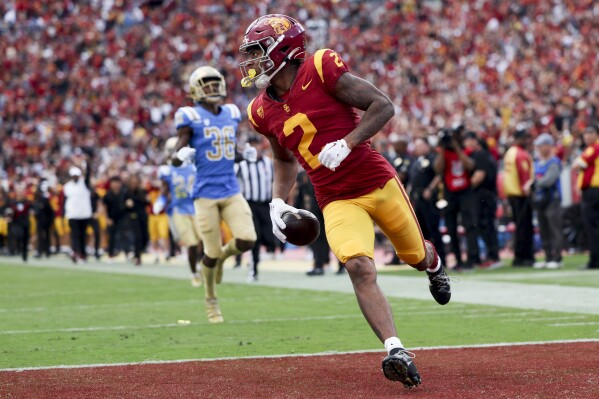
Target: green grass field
(61, 316)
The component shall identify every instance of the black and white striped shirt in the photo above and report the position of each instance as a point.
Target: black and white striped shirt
(255, 179)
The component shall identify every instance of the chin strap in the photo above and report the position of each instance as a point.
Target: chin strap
(264, 80)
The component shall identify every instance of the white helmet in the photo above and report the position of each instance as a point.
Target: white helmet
(169, 146)
(207, 84)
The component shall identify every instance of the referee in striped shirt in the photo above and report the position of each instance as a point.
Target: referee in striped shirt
(255, 175)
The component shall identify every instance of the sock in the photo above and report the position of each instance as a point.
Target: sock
(436, 265)
(229, 249)
(209, 274)
(393, 345)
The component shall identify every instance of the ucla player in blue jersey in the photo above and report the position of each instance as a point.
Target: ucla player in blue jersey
(176, 190)
(206, 136)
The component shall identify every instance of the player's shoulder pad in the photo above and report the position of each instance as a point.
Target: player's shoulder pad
(233, 110)
(326, 60)
(186, 115)
(252, 113)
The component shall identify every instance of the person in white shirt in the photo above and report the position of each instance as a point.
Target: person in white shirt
(78, 210)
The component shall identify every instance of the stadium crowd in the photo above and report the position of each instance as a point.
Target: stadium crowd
(105, 76)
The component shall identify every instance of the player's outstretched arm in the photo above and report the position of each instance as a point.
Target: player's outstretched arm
(378, 108)
(285, 169)
(184, 133)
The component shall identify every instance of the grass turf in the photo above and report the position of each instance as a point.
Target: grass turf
(53, 317)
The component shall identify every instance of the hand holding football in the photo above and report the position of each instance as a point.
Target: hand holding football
(301, 228)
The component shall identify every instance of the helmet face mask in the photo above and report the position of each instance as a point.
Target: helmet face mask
(269, 43)
(206, 84)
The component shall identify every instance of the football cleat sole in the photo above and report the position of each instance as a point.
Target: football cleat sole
(400, 368)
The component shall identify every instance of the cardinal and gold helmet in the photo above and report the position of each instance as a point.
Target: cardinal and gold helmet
(269, 43)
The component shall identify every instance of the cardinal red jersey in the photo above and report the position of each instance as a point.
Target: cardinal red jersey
(309, 117)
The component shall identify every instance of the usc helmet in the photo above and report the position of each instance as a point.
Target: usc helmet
(207, 84)
(280, 39)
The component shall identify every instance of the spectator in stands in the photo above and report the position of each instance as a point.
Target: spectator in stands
(484, 191)
(588, 182)
(517, 181)
(78, 209)
(456, 166)
(547, 201)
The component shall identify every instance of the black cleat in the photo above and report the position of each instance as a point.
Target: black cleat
(400, 367)
(439, 286)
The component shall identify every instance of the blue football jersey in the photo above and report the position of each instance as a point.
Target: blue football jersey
(180, 182)
(214, 138)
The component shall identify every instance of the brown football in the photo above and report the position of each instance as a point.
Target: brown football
(300, 228)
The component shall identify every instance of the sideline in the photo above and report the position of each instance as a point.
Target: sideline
(517, 295)
(328, 353)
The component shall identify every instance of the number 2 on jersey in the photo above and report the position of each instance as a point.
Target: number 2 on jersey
(308, 131)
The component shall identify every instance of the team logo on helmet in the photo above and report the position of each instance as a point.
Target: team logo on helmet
(280, 25)
(261, 112)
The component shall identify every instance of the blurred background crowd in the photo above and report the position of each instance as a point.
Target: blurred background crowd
(104, 77)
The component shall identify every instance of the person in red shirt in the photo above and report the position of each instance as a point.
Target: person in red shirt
(307, 112)
(456, 167)
(588, 182)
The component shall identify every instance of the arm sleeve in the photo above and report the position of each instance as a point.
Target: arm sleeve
(480, 161)
(589, 156)
(549, 178)
(88, 173)
(185, 116)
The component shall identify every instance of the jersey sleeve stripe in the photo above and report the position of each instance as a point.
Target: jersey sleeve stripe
(318, 63)
(235, 113)
(191, 113)
(250, 115)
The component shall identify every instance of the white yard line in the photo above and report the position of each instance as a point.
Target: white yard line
(295, 355)
(582, 323)
(474, 291)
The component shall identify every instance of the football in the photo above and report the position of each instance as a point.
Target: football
(301, 228)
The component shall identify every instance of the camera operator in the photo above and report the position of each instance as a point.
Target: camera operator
(456, 166)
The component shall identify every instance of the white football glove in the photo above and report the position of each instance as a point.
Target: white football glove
(158, 205)
(250, 154)
(277, 208)
(333, 154)
(186, 154)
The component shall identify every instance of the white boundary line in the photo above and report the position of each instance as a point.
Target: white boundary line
(150, 362)
(475, 313)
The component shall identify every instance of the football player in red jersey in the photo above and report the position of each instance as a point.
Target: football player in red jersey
(307, 112)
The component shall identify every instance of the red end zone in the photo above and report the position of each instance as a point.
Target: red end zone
(569, 370)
